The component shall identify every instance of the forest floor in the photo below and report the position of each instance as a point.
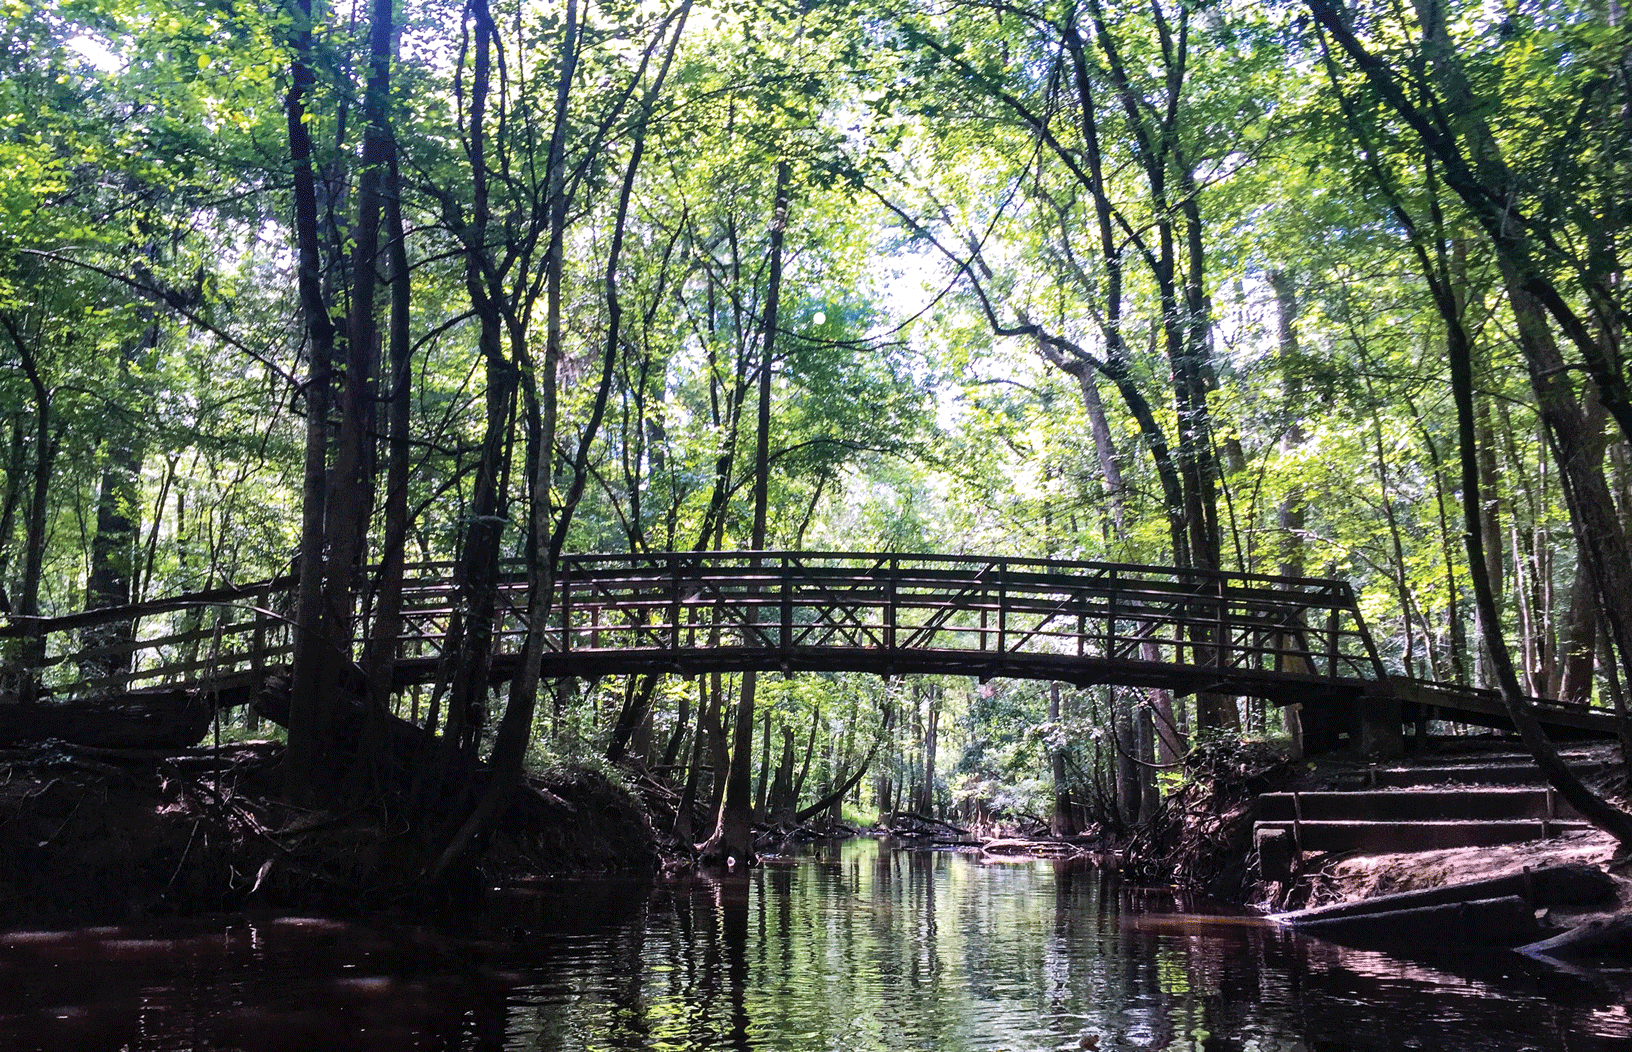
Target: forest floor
(1355, 877)
(96, 835)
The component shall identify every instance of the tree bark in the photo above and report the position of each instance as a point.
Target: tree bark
(764, 768)
(514, 732)
(1457, 137)
(1062, 822)
(733, 833)
(1591, 806)
(925, 804)
(315, 686)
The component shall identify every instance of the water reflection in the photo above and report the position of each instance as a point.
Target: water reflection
(853, 947)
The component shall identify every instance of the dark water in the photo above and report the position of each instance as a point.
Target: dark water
(856, 947)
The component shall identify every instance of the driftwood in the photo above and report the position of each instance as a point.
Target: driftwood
(1505, 921)
(1599, 938)
(1496, 912)
(1008, 847)
(159, 719)
(1569, 885)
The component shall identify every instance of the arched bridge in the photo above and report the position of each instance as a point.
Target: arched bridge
(1284, 639)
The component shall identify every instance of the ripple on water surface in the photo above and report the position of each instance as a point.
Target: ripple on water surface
(853, 947)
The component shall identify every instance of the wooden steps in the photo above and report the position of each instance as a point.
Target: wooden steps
(1517, 773)
(1444, 802)
(1388, 837)
(1420, 805)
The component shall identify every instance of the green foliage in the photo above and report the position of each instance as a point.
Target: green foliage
(146, 286)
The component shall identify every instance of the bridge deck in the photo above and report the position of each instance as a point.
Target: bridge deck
(1280, 638)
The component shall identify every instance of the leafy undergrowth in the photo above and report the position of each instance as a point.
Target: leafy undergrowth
(1200, 840)
(100, 835)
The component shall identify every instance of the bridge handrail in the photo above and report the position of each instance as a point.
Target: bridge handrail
(782, 600)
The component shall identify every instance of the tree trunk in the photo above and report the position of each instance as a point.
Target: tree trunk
(925, 804)
(810, 752)
(764, 769)
(683, 813)
(314, 689)
(16, 466)
(1062, 822)
(783, 802)
(1104, 451)
(733, 833)
(1593, 807)
(515, 729)
(1291, 513)
(1129, 791)
(469, 648)
(385, 626)
(1457, 136)
(114, 565)
(682, 716)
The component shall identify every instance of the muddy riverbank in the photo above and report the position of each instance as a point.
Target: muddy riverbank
(96, 835)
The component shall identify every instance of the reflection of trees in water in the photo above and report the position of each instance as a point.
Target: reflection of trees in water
(912, 950)
(707, 985)
(886, 950)
(732, 896)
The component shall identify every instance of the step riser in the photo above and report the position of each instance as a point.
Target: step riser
(1412, 807)
(1411, 777)
(1387, 838)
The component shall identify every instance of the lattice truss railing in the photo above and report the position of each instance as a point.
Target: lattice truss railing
(768, 604)
(786, 601)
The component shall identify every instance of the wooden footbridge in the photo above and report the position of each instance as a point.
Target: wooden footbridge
(1284, 639)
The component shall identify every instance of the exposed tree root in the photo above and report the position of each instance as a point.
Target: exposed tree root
(1201, 837)
(104, 835)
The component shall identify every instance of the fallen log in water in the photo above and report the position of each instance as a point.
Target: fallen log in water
(1499, 911)
(1598, 939)
(1575, 884)
(1505, 921)
(1021, 847)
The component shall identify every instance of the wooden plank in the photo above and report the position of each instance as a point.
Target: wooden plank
(27, 626)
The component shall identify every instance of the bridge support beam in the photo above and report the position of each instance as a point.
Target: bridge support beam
(1382, 727)
(1369, 725)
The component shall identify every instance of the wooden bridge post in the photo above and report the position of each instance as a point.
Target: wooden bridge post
(1331, 641)
(889, 608)
(1110, 615)
(257, 644)
(674, 604)
(785, 642)
(565, 580)
(1002, 607)
(1381, 725)
(1221, 652)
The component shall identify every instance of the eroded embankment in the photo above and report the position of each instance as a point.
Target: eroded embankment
(95, 835)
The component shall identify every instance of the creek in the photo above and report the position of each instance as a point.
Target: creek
(854, 945)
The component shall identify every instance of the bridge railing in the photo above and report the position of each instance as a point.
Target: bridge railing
(979, 608)
(644, 611)
(218, 638)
